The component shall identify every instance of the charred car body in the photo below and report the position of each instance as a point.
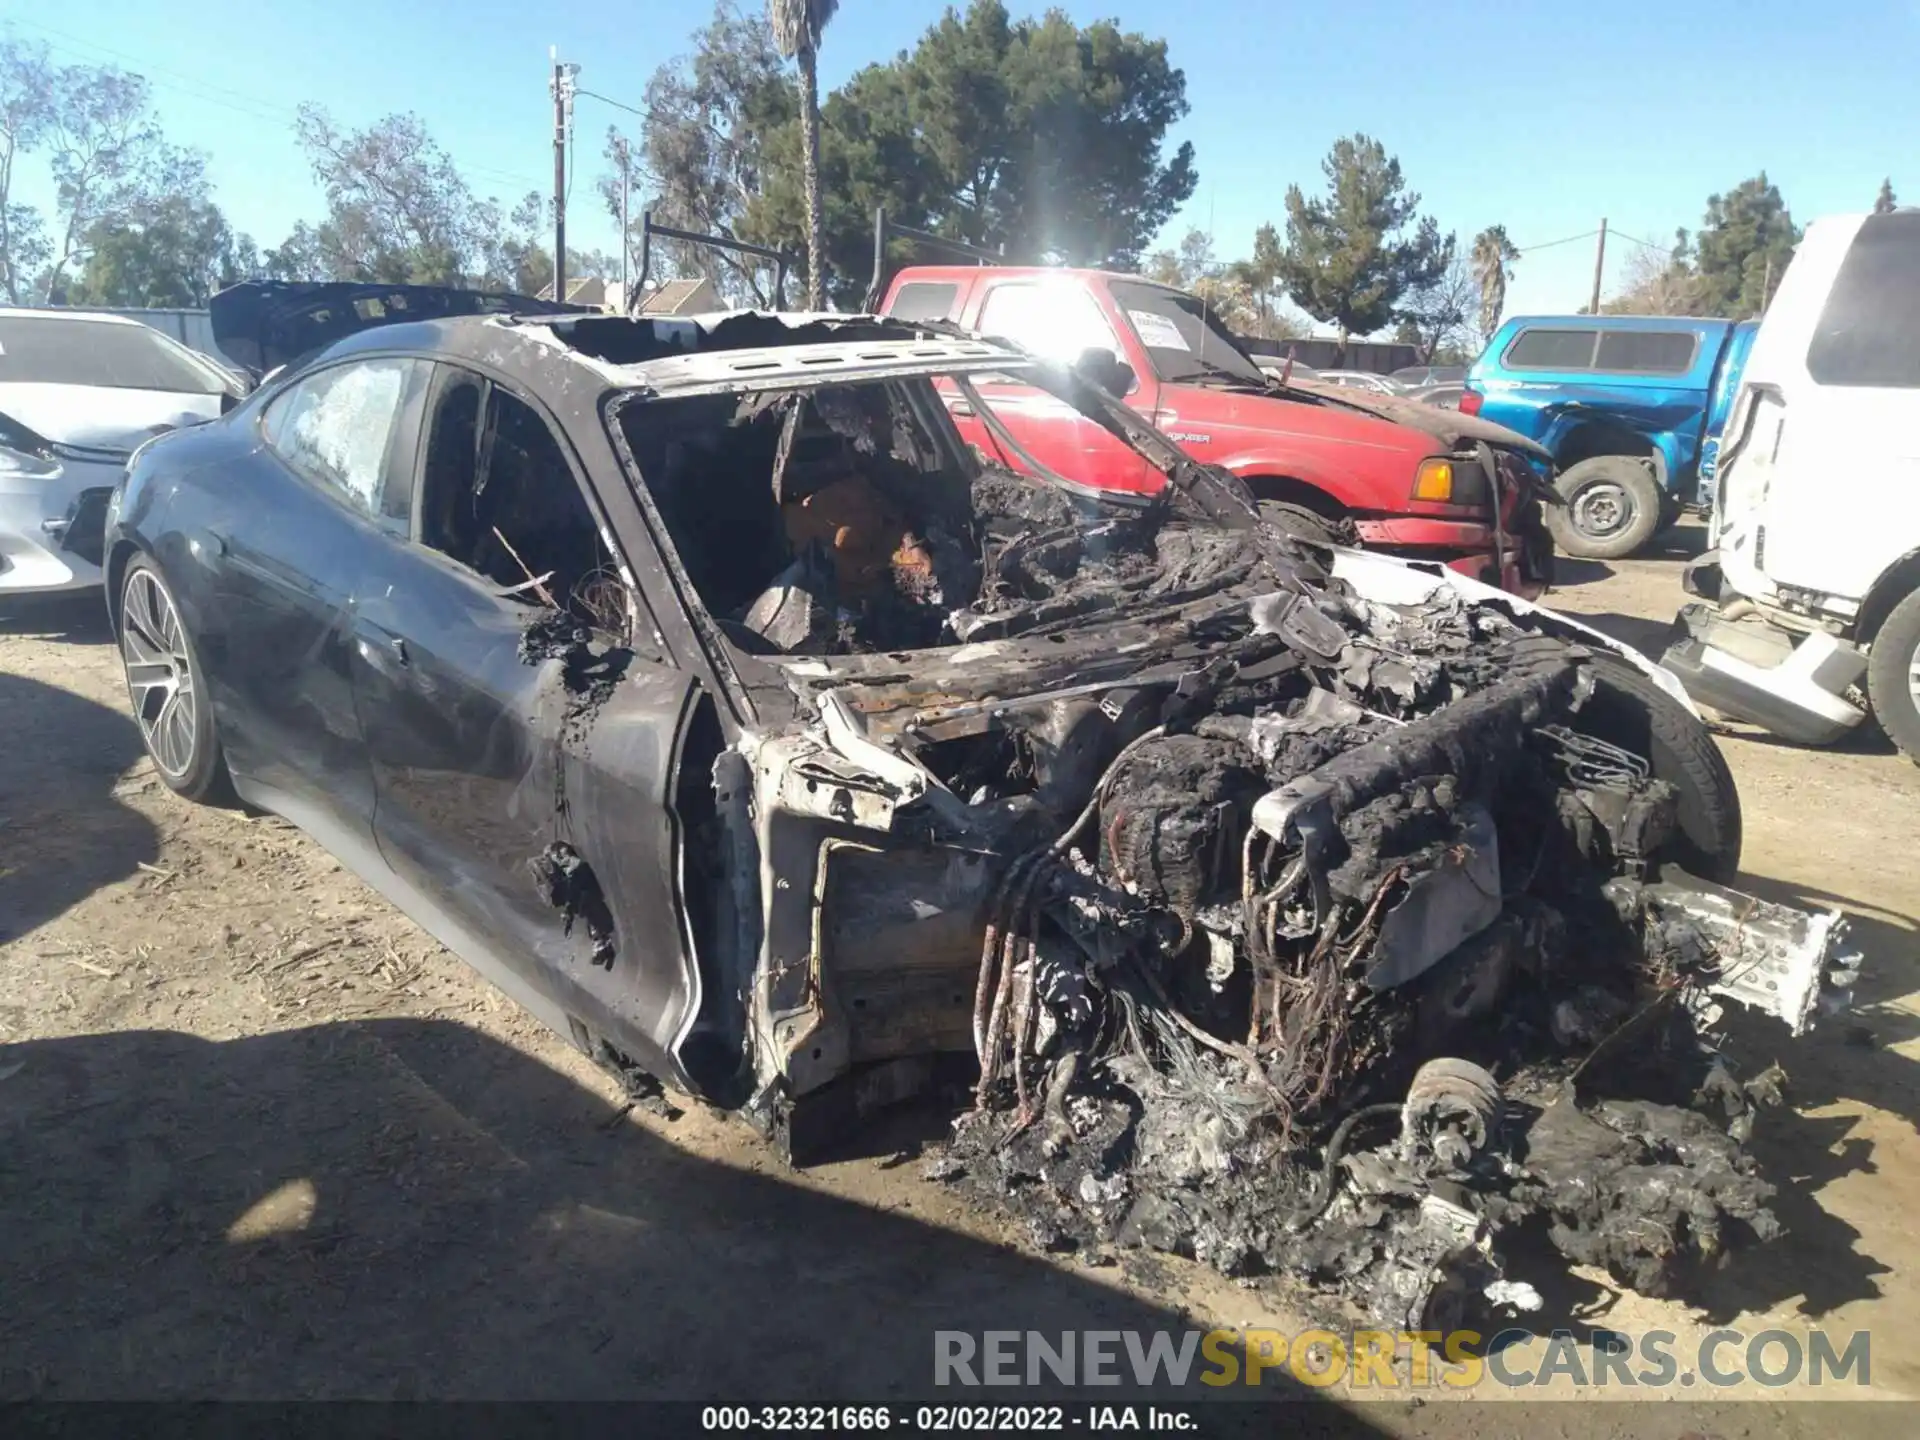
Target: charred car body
(695, 682)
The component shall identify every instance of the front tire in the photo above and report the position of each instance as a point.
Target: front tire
(1627, 709)
(1613, 508)
(1893, 676)
(167, 687)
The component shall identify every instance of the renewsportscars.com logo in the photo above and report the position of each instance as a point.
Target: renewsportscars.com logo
(1400, 1360)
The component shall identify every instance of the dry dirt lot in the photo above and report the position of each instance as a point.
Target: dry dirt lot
(260, 1136)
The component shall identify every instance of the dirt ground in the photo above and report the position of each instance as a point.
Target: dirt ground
(260, 1136)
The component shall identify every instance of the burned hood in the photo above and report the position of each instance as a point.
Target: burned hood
(264, 324)
(967, 688)
(963, 689)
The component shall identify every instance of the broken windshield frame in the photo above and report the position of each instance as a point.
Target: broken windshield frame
(1187, 489)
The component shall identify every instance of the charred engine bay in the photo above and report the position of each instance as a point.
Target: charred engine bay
(1322, 924)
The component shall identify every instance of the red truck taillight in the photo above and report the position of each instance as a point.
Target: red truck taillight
(1470, 401)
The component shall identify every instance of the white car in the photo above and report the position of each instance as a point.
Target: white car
(1362, 380)
(79, 392)
(1816, 570)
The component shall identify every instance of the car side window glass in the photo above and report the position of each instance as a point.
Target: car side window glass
(403, 452)
(1868, 333)
(1646, 352)
(450, 461)
(1056, 322)
(923, 300)
(1539, 349)
(337, 428)
(498, 497)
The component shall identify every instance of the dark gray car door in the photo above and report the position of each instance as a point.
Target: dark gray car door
(526, 808)
(285, 557)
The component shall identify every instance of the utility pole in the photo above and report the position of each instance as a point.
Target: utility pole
(626, 241)
(1599, 260)
(562, 87)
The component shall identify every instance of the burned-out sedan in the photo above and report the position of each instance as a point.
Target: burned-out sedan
(694, 681)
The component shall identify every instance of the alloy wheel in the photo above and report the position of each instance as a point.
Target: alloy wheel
(160, 677)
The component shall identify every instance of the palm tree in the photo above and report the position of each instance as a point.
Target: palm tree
(1493, 257)
(796, 30)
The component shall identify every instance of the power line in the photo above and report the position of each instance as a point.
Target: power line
(517, 179)
(1588, 235)
(235, 100)
(225, 100)
(1583, 235)
(192, 85)
(608, 100)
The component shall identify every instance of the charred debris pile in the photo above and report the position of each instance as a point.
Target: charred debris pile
(1329, 928)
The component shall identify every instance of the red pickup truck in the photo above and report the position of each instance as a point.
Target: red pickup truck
(1414, 479)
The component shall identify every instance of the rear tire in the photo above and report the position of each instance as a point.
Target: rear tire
(1613, 508)
(1893, 676)
(1629, 710)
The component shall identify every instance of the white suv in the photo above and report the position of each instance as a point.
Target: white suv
(1816, 518)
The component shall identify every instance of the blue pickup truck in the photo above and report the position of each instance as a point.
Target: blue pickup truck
(1629, 405)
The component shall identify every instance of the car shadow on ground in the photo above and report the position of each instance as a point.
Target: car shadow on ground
(404, 1209)
(1850, 1056)
(75, 619)
(1866, 738)
(1649, 637)
(1687, 541)
(1682, 543)
(63, 831)
(1569, 573)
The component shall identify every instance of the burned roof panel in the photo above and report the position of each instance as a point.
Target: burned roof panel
(634, 340)
(800, 367)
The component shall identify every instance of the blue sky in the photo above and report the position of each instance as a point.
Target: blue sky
(1540, 114)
